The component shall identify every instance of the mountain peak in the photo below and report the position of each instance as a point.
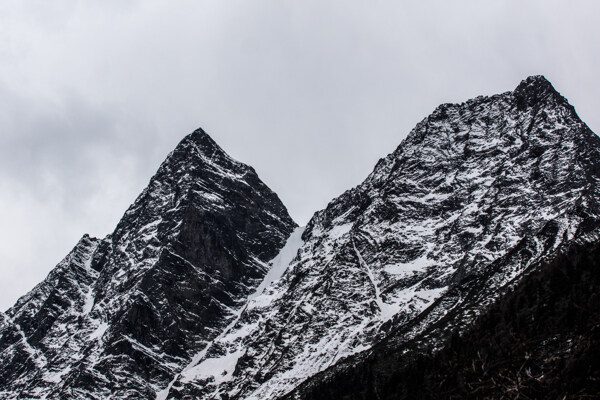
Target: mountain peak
(535, 80)
(200, 137)
(201, 143)
(534, 89)
(197, 155)
(200, 168)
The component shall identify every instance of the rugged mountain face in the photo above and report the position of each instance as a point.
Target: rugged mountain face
(476, 194)
(205, 290)
(541, 340)
(559, 158)
(117, 316)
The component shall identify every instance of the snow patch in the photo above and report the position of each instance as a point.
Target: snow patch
(218, 368)
(99, 332)
(416, 265)
(340, 230)
(387, 310)
(88, 303)
(56, 376)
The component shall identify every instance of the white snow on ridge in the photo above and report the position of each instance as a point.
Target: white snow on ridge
(386, 312)
(56, 376)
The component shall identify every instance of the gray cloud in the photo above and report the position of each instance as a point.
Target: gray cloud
(94, 95)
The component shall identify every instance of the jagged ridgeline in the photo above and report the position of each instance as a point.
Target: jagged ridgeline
(208, 290)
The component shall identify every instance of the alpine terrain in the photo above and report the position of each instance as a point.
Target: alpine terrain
(118, 316)
(465, 265)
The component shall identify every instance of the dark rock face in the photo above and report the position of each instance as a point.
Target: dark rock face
(205, 290)
(117, 316)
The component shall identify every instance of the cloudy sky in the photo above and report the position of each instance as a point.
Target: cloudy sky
(93, 95)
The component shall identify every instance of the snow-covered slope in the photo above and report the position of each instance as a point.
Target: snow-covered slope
(492, 184)
(539, 340)
(117, 317)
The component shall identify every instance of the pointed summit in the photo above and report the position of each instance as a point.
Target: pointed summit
(199, 175)
(534, 89)
(201, 141)
(535, 81)
(198, 149)
(201, 137)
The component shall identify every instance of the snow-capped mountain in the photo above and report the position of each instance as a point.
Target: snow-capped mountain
(471, 184)
(541, 181)
(117, 316)
(207, 289)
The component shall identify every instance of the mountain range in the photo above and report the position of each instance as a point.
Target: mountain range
(464, 266)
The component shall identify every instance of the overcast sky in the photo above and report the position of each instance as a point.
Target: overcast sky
(93, 96)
